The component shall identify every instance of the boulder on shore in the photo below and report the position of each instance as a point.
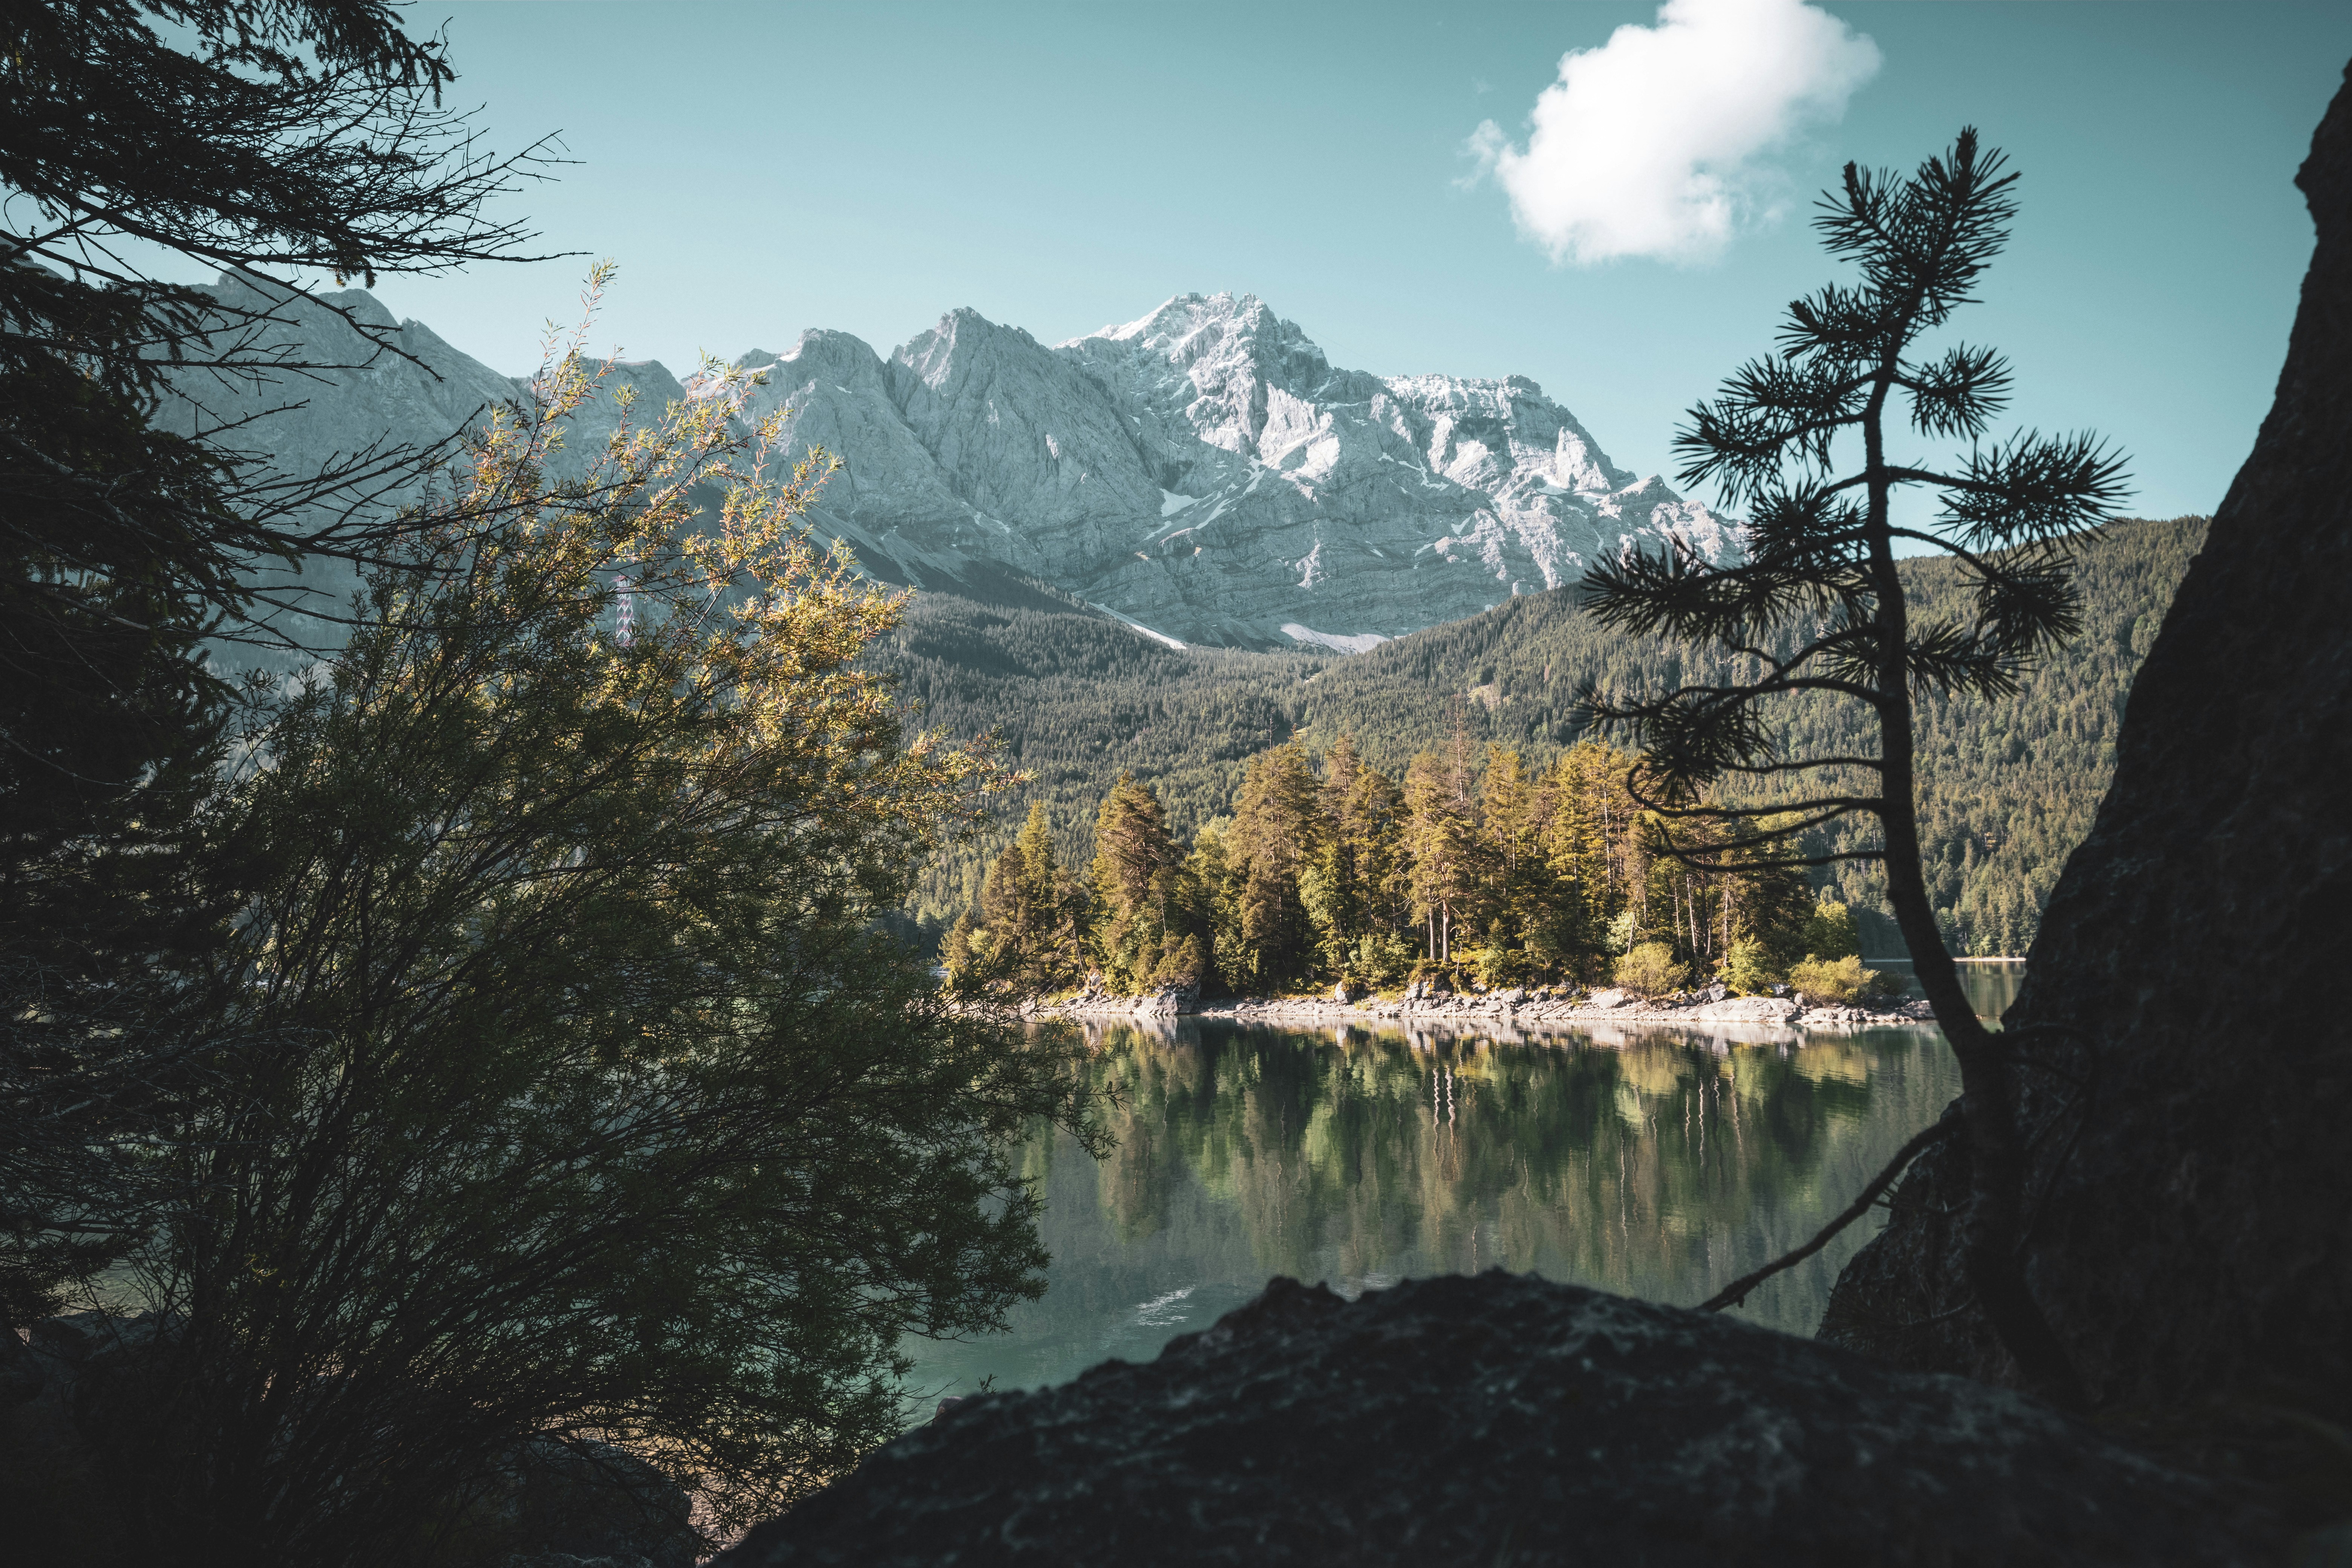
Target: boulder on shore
(1504, 1420)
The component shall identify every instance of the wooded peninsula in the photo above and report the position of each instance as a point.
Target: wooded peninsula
(1472, 870)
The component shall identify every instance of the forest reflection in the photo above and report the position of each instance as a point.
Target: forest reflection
(1657, 1163)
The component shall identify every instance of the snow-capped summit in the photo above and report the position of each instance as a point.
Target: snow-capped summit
(1202, 471)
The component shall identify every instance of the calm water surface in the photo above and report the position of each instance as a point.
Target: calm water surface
(1662, 1163)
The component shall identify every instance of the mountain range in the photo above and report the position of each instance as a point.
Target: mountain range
(1202, 473)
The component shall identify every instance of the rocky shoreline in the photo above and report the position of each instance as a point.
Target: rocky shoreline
(1513, 1009)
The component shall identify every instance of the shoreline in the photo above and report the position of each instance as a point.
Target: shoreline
(1507, 1010)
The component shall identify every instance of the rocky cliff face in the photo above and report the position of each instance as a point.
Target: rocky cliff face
(1503, 1421)
(1204, 471)
(2182, 1023)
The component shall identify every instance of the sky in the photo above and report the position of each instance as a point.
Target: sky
(1612, 199)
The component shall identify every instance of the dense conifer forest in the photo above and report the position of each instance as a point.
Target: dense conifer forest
(2009, 786)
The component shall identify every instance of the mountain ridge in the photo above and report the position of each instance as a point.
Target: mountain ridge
(1202, 473)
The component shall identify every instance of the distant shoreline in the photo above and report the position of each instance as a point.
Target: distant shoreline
(1501, 1010)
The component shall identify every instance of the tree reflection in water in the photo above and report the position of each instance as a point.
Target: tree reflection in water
(1659, 1164)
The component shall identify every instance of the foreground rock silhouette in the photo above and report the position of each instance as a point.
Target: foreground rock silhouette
(1504, 1420)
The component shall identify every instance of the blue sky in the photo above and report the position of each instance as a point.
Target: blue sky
(756, 169)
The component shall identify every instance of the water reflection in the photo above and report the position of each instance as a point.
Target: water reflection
(1660, 1163)
(1992, 984)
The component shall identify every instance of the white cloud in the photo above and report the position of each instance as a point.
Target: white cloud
(1653, 145)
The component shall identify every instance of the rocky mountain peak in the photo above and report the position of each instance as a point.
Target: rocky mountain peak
(1204, 470)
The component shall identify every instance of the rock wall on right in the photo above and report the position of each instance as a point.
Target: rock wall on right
(2186, 1022)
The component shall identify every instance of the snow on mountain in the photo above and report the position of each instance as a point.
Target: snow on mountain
(1202, 472)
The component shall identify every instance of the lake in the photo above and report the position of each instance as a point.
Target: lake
(1660, 1164)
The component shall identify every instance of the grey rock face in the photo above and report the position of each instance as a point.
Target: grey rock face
(304, 422)
(1502, 1420)
(2186, 1046)
(1202, 471)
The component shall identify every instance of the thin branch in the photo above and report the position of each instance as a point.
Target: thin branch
(1732, 1294)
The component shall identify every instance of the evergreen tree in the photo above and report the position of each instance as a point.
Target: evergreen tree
(1357, 893)
(1032, 912)
(1820, 607)
(1276, 832)
(1442, 844)
(1135, 873)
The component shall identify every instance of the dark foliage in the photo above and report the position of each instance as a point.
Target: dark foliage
(254, 136)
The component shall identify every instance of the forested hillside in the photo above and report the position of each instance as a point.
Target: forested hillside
(2009, 789)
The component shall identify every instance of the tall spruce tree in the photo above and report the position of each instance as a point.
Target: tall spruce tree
(1818, 607)
(1275, 833)
(1134, 872)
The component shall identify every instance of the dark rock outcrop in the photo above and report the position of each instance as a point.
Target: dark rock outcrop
(1502, 1420)
(2182, 1024)
(551, 1503)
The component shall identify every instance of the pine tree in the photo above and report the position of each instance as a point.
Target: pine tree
(1819, 608)
(1442, 842)
(1275, 834)
(1358, 896)
(1134, 873)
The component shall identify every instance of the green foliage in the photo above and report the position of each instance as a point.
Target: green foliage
(1749, 969)
(1136, 869)
(1839, 980)
(593, 1103)
(196, 135)
(1621, 930)
(1276, 835)
(1831, 931)
(1479, 868)
(1027, 938)
(1649, 970)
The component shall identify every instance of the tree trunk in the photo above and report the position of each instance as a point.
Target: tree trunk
(1992, 1230)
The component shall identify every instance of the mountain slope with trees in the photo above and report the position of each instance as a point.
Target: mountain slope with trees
(2007, 789)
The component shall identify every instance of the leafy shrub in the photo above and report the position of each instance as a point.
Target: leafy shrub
(1180, 963)
(1649, 970)
(1381, 959)
(1831, 932)
(1621, 932)
(1751, 970)
(1839, 980)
